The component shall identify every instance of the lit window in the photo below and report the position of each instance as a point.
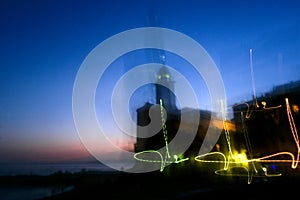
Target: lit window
(295, 108)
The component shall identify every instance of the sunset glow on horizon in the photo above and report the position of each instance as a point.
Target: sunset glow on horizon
(44, 44)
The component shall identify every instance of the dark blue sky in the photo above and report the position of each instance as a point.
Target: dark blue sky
(43, 44)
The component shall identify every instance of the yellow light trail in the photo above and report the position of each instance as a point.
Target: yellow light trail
(241, 161)
(167, 159)
(233, 160)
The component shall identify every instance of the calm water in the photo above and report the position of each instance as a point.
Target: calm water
(37, 192)
(30, 193)
(46, 169)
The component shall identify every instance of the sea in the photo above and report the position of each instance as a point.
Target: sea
(38, 192)
(44, 169)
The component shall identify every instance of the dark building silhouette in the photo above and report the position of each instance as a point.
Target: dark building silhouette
(168, 99)
(202, 119)
(164, 97)
(265, 120)
(163, 90)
